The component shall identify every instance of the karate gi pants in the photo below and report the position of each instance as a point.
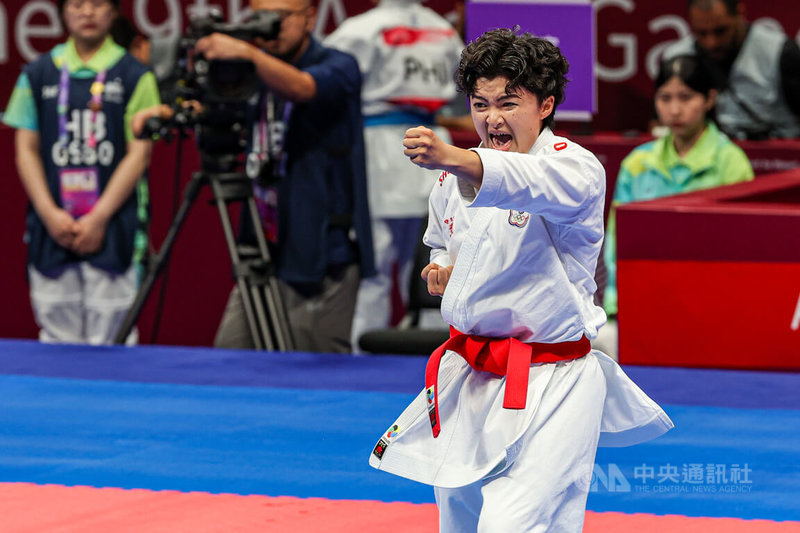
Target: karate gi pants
(546, 486)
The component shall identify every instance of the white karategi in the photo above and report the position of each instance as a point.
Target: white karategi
(524, 250)
(407, 55)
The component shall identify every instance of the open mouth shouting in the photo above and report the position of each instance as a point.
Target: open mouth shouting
(500, 140)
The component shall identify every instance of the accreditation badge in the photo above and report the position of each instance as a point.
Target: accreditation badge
(267, 203)
(80, 189)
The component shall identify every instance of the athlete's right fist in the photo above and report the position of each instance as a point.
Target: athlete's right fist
(424, 148)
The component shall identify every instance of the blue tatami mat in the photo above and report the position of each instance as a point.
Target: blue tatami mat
(304, 425)
(243, 440)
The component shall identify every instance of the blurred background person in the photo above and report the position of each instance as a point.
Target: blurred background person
(125, 34)
(158, 53)
(694, 155)
(755, 67)
(407, 54)
(82, 170)
(306, 159)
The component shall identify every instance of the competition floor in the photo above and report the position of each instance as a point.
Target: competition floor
(156, 439)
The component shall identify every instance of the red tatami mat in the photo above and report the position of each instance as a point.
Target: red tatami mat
(29, 508)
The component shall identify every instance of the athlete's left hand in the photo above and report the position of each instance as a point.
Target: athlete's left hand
(437, 277)
(91, 230)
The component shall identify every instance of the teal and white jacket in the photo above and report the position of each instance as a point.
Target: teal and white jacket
(654, 170)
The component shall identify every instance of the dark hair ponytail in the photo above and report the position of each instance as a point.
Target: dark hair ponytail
(690, 69)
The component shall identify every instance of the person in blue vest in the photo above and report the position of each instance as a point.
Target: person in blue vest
(756, 69)
(82, 170)
(306, 158)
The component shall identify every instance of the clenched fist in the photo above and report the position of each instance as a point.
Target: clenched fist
(425, 149)
(437, 277)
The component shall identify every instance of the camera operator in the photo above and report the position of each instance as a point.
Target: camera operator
(306, 157)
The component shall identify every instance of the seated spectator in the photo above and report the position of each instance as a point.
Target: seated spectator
(755, 67)
(694, 155)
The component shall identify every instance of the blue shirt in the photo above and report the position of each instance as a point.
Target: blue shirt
(323, 196)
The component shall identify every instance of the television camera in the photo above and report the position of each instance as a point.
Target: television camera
(212, 98)
(218, 89)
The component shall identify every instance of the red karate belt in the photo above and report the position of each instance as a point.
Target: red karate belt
(504, 357)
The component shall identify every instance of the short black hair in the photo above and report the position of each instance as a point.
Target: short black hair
(527, 61)
(731, 6)
(123, 31)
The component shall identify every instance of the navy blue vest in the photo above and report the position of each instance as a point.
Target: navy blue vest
(121, 79)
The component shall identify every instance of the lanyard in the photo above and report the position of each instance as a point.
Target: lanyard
(272, 141)
(95, 103)
(267, 115)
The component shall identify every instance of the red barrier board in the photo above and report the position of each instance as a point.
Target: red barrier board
(712, 278)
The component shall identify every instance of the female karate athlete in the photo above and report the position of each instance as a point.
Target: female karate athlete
(516, 401)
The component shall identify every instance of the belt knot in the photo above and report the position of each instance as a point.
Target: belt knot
(501, 356)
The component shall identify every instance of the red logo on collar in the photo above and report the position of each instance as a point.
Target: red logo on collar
(560, 146)
(442, 176)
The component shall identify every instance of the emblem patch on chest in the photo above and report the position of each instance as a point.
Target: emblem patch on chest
(518, 218)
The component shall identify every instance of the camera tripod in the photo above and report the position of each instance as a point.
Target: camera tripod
(252, 265)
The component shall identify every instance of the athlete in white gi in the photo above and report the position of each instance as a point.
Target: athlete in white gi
(407, 54)
(516, 228)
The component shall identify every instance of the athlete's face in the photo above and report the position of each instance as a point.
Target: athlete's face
(297, 22)
(718, 32)
(89, 20)
(681, 108)
(508, 121)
